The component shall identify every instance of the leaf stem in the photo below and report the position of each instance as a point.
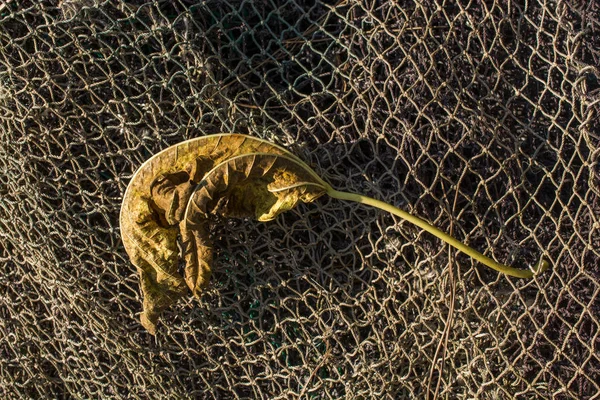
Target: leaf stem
(519, 273)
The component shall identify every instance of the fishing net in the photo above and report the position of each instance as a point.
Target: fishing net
(481, 117)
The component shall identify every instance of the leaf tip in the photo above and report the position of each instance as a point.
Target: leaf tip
(148, 323)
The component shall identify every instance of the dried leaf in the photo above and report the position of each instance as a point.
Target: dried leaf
(175, 193)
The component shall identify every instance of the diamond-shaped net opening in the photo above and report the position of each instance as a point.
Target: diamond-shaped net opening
(481, 117)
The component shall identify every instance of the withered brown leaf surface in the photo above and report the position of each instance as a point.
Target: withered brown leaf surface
(166, 194)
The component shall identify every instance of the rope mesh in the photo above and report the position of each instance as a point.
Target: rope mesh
(481, 117)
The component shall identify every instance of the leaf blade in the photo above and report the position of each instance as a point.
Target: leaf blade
(153, 207)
